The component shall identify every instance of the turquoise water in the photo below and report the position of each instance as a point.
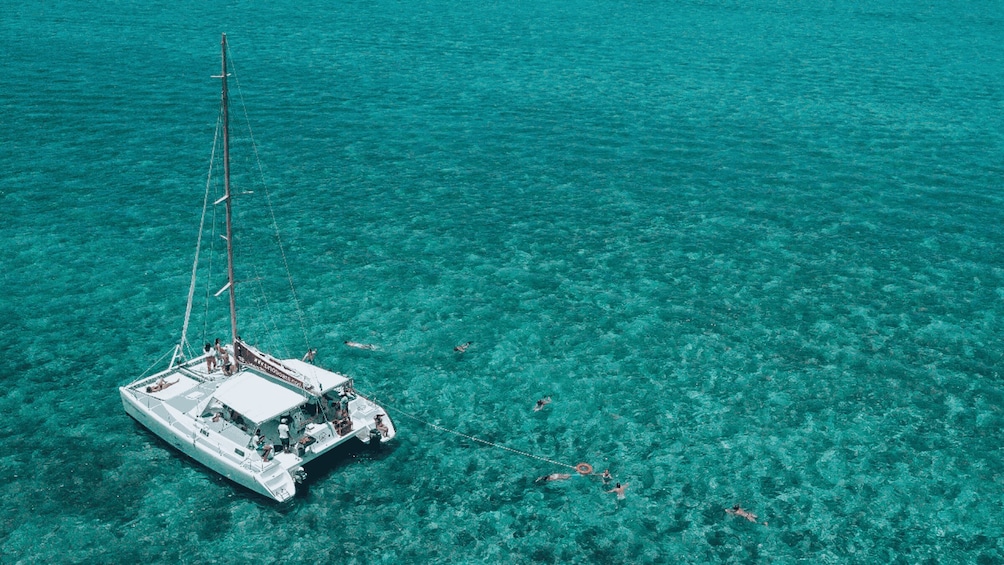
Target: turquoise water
(751, 250)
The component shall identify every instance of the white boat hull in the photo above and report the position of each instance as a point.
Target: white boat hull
(186, 440)
(189, 414)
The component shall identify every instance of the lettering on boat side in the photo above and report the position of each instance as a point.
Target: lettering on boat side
(246, 356)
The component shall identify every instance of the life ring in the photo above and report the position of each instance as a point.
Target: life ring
(584, 469)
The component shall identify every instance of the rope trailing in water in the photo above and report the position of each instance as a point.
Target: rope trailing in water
(479, 440)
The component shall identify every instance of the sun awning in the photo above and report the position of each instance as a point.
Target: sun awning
(256, 398)
(317, 376)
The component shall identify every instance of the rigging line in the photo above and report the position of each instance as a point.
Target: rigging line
(273, 333)
(212, 243)
(470, 437)
(155, 363)
(268, 201)
(198, 245)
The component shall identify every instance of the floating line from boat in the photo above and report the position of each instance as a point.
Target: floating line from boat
(477, 439)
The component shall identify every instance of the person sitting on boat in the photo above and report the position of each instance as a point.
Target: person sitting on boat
(542, 403)
(161, 385)
(210, 358)
(380, 425)
(343, 426)
(261, 445)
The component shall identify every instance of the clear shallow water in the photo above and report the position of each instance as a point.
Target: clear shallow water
(751, 251)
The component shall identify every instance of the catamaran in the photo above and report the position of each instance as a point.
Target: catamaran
(251, 417)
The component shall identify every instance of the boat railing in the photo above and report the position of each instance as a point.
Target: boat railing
(240, 454)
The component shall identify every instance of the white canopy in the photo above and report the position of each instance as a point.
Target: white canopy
(316, 376)
(257, 398)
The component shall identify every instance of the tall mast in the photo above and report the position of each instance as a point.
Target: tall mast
(227, 196)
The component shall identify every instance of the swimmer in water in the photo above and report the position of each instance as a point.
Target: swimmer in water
(542, 403)
(741, 512)
(462, 347)
(619, 489)
(358, 345)
(607, 477)
(553, 477)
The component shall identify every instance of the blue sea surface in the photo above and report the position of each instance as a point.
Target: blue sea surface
(751, 250)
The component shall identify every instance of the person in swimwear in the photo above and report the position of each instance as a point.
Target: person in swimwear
(553, 477)
(161, 385)
(309, 356)
(607, 477)
(542, 403)
(210, 358)
(462, 347)
(381, 426)
(358, 345)
(741, 512)
(619, 489)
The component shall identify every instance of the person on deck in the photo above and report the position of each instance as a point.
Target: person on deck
(284, 435)
(210, 358)
(380, 425)
(309, 356)
(161, 385)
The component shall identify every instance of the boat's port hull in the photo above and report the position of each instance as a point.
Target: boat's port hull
(187, 440)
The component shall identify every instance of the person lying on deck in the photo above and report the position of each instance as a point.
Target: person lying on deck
(161, 385)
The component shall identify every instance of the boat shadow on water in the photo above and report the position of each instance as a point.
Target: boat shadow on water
(319, 470)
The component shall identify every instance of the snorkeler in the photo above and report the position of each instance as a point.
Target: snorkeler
(553, 477)
(542, 403)
(741, 512)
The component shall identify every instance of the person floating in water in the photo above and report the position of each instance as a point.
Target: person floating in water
(542, 403)
(161, 385)
(309, 356)
(553, 477)
(462, 347)
(607, 477)
(741, 512)
(619, 489)
(357, 345)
